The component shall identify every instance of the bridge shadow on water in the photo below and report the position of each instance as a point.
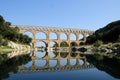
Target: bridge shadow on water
(50, 62)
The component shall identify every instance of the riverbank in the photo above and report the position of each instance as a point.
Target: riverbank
(12, 46)
(110, 48)
(5, 49)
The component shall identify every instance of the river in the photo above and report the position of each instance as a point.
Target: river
(37, 65)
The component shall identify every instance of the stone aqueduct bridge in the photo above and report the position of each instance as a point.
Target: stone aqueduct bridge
(47, 30)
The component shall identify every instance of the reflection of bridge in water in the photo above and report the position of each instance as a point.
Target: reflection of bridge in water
(58, 67)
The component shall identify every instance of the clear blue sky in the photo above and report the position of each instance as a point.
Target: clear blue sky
(82, 14)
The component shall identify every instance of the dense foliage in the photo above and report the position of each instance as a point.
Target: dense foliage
(11, 33)
(97, 43)
(10, 65)
(109, 33)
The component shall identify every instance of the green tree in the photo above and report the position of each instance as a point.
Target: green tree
(110, 44)
(109, 33)
(1, 40)
(5, 42)
(11, 33)
(98, 43)
(63, 44)
(1, 21)
(118, 40)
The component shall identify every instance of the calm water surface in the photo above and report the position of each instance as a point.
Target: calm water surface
(51, 66)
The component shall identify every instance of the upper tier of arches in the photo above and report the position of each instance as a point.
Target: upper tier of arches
(49, 33)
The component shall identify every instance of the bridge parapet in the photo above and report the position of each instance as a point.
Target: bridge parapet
(54, 69)
(52, 29)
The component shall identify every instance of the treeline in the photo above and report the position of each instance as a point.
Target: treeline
(109, 33)
(8, 33)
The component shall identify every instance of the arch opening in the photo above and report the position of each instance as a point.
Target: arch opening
(53, 36)
(53, 54)
(53, 63)
(40, 54)
(63, 36)
(73, 44)
(40, 35)
(81, 61)
(63, 62)
(41, 45)
(29, 34)
(64, 44)
(63, 54)
(72, 36)
(53, 44)
(72, 62)
(40, 63)
(81, 37)
(87, 35)
(29, 64)
(81, 43)
(73, 54)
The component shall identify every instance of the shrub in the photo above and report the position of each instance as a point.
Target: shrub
(5, 42)
(110, 44)
(82, 49)
(118, 40)
(117, 44)
(97, 43)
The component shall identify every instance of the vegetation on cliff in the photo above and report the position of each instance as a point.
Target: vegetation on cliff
(8, 33)
(109, 33)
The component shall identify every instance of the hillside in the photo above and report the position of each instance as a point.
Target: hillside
(109, 33)
(8, 33)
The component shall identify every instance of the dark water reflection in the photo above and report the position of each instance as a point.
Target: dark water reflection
(10, 65)
(57, 66)
(106, 63)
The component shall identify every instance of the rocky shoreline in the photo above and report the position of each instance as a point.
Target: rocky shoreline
(103, 49)
(17, 46)
(107, 49)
